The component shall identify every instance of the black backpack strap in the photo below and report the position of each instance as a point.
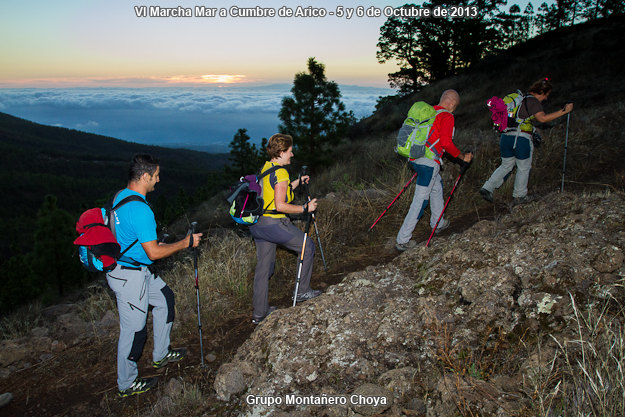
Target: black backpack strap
(264, 174)
(269, 171)
(124, 201)
(129, 199)
(128, 248)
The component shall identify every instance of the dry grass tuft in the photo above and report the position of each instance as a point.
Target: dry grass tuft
(586, 375)
(225, 269)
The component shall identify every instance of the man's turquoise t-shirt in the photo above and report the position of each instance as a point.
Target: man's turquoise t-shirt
(134, 220)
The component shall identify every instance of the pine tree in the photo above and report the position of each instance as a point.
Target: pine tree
(245, 157)
(429, 49)
(314, 116)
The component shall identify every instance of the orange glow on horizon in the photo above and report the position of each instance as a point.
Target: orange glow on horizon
(130, 81)
(208, 79)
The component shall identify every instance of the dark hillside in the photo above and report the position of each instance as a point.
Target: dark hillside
(79, 168)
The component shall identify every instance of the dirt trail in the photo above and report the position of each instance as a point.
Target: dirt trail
(81, 380)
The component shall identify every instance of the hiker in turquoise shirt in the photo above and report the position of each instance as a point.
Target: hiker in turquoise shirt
(136, 287)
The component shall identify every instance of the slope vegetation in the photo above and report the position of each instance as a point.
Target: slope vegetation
(513, 311)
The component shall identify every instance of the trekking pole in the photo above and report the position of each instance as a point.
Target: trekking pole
(566, 144)
(314, 222)
(393, 202)
(462, 171)
(300, 262)
(197, 292)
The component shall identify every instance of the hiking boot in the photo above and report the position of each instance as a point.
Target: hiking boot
(257, 320)
(411, 244)
(444, 224)
(174, 355)
(486, 195)
(308, 295)
(523, 200)
(139, 386)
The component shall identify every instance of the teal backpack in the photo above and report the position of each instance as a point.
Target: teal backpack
(413, 139)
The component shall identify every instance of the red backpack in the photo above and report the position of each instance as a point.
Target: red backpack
(98, 249)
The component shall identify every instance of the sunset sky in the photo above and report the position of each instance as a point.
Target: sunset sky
(83, 64)
(103, 43)
(63, 43)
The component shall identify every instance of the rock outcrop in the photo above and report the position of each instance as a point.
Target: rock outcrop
(461, 325)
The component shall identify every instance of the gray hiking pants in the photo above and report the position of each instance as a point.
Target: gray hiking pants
(429, 188)
(515, 151)
(136, 289)
(269, 232)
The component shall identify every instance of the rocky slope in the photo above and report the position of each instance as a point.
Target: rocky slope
(467, 325)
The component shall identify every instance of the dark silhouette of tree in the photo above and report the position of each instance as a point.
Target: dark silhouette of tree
(595, 9)
(399, 41)
(548, 18)
(54, 260)
(517, 26)
(245, 157)
(315, 115)
(429, 49)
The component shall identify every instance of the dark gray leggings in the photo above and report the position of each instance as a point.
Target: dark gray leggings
(269, 232)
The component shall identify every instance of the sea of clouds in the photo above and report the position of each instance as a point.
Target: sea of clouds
(202, 118)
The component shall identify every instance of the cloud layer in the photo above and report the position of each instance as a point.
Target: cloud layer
(191, 117)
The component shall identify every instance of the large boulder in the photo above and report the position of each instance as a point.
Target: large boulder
(452, 328)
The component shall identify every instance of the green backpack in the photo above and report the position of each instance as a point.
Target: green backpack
(414, 135)
(513, 102)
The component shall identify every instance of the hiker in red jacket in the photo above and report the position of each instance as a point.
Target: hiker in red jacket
(429, 182)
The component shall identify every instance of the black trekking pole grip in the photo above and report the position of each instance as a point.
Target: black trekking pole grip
(304, 172)
(465, 165)
(190, 233)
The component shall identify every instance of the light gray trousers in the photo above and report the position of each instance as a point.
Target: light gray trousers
(429, 188)
(515, 151)
(269, 232)
(136, 290)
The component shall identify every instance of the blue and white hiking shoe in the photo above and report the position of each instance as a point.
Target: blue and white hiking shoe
(139, 386)
(174, 355)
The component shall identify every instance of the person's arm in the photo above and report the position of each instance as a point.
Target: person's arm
(446, 133)
(283, 207)
(545, 118)
(156, 250)
(296, 183)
